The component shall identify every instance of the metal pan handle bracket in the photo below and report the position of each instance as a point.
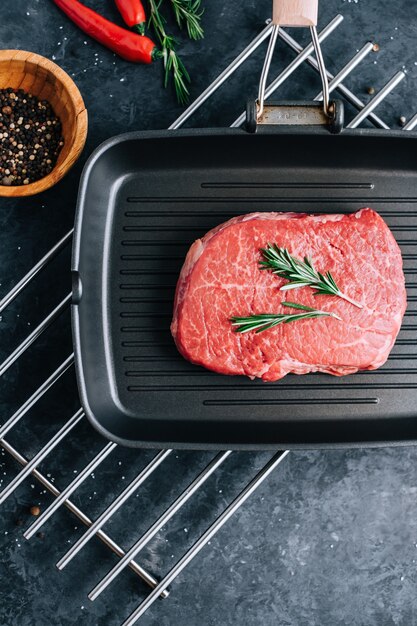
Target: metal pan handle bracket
(295, 13)
(295, 114)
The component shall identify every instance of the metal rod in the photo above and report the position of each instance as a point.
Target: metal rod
(34, 334)
(412, 123)
(295, 63)
(66, 493)
(160, 523)
(21, 411)
(230, 69)
(38, 458)
(348, 68)
(108, 541)
(210, 532)
(112, 508)
(265, 69)
(347, 93)
(13, 293)
(322, 69)
(380, 96)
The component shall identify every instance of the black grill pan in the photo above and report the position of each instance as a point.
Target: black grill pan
(144, 198)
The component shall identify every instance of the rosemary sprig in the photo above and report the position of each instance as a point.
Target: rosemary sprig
(190, 13)
(265, 321)
(172, 62)
(300, 273)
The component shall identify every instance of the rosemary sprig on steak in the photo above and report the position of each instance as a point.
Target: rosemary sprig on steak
(264, 321)
(300, 273)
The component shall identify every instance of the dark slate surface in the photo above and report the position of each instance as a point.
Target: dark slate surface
(331, 537)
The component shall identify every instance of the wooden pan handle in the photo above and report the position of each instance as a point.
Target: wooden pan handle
(295, 12)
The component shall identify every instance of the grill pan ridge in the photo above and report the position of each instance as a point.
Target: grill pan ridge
(144, 198)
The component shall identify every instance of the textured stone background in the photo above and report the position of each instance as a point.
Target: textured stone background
(331, 537)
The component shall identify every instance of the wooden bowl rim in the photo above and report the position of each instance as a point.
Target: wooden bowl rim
(80, 123)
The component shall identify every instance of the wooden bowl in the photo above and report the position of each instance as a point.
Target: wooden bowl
(46, 80)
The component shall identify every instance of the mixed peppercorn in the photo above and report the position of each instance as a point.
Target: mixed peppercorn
(30, 137)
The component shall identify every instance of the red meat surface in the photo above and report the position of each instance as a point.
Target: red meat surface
(221, 278)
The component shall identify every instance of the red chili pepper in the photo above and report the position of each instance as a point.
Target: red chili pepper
(123, 42)
(133, 13)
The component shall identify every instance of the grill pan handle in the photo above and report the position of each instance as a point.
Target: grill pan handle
(295, 12)
(301, 13)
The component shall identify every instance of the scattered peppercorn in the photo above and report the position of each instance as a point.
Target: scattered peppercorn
(371, 90)
(40, 535)
(403, 120)
(34, 510)
(27, 151)
(375, 47)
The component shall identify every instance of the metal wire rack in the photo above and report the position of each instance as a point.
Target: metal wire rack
(62, 497)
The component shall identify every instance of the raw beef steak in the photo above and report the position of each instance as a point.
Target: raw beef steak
(221, 278)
